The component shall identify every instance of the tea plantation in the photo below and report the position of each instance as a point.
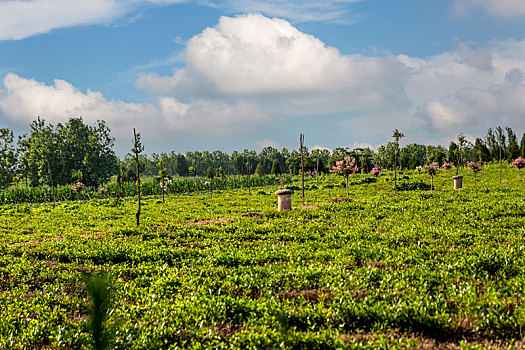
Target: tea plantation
(416, 269)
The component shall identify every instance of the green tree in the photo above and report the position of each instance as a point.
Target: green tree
(259, 171)
(396, 136)
(100, 161)
(136, 150)
(513, 149)
(163, 178)
(210, 173)
(181, 166)
(7, 157)
(64, 152)
(492, 144)
(452, 151)
(461, 144)
(276, 168)
(522, 146)
(385, 156)
(480, 152)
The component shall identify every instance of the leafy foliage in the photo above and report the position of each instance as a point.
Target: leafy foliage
(415, 270)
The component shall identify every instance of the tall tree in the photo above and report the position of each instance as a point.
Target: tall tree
(500, 137)
(513, 149)
(452, 152)
(276, 168)
(396, 136)
(480, 152)
(100, 161)
(461, 144)
(301, 143)
(7, 157)
(522, 146)
(492, 144)
(181, 165)
(136, 150)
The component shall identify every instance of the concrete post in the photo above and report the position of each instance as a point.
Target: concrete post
(284, 201)
(458, 182)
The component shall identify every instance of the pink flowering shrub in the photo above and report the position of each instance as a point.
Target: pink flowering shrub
(474, 167)
(376, 171)
(345, 168)
(432, 169)
(519, 162)
(78, 187)
(446, 166)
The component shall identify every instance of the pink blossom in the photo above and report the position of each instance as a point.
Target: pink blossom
(345, 167)
(432, 168)
(446, 166)
(519, 163)
(474, 166)
(78, 187)
(376, 171)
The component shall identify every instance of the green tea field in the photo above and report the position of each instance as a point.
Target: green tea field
(438, 269)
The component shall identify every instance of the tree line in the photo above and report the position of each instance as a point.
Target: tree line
(73, 152)
(56, 155)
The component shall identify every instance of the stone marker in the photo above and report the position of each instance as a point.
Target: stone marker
(284, 199)
(458, 181)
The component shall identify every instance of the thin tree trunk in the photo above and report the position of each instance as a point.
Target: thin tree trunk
(249, 185)
(347, 195)
(301, 141)
(137, 216)
(500, 164)
(395, 171)
(431, 183)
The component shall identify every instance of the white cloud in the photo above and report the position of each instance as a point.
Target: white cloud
(252, 56)
(454, 92)
(476, 109)
(287, 72)
(494, 8)
(268, 143)
(21, 19)
(334, 11)
(321, 148)
(22, 100)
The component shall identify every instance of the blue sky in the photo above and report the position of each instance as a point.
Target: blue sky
(196, 75)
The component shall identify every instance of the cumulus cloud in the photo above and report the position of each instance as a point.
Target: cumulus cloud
(477, 108)
(22, 100)
(252, 56)
(247, 70)
(493, 8)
